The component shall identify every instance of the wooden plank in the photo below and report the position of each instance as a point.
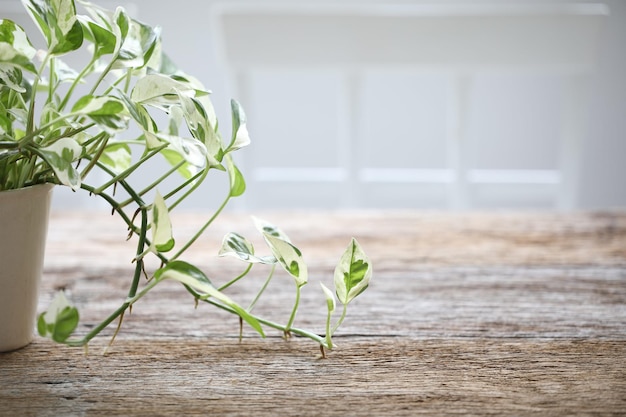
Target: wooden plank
(510, 275)
(503, 314)
(394, 240)
(380, 376)
(528, 302)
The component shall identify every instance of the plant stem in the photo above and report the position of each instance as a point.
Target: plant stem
(237, 278)
(94, 160)
(140, 248)
(31, 110)
(132, 292)
(9, 145)
(80, 76)
(165, 196)
(295, 330)
(102, 75)
(343, 316)
(329, 333)
(128, 171)
(159, 180)
(292, 317)
(202, 229)
(26, 139)
(94, 332)
(28, 166)
(52, 79)
(262, 290)
(200, 177)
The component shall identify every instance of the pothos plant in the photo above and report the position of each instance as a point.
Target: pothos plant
(126, 104)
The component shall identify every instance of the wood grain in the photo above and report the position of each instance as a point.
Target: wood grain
(365, 377)
(471, 314)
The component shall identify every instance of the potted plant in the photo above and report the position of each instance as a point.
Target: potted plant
(125, 105)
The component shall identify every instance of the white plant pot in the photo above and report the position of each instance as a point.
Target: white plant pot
(23, 228)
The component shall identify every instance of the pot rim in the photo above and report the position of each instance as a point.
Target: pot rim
(43, 184)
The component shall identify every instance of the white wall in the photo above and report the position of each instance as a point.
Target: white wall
(512, 124)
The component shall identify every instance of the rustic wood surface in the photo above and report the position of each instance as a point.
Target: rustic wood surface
(467, 314)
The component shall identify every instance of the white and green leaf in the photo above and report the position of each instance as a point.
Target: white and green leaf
(117, 157)
(353, 273)
(141, 115)
(59, 321)
(103, 39)
(265, 227)
(237, 181)
(99, 105)
(194, 111)
(203, 289)
(161, 226)
(15, 47)
(188, 151)
(239, 247)
(58, 23)
(160, 91)
(109, 112)
(11, 77)
(289, 257)
(139, 43)
(60, 157)
(240, 136)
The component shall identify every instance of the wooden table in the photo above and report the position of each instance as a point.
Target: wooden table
(471, 314)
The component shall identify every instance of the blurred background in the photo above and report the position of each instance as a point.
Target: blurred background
(430, 105)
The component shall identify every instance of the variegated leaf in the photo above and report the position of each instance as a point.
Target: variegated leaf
(239, 247)
(161, 226)
(202, 288)
(353, 273)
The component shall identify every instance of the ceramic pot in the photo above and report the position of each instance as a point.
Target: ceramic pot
(23, 228)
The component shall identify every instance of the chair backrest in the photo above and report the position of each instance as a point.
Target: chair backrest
(460, 41)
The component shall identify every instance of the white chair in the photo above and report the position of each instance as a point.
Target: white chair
(461, 41)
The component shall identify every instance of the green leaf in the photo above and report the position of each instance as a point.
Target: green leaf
(240, 136)
(115, 22)
(16, 53)
(58, 23)
(6, 127)
(100, 106)
(237, 182)
(199, 124)
(107, 111)
(140, 41)
(161, 226)
(289, 257)
(39, 11)
(266, 227)
(11, 77)
(239, 247)
(15, 47)
(59, 156)
(202, 288)
(353, 273)
(159, 91)
(117, 157)
(102, 16)
(60, 319)
(189, 150)
(139, 113)
(103, 39)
